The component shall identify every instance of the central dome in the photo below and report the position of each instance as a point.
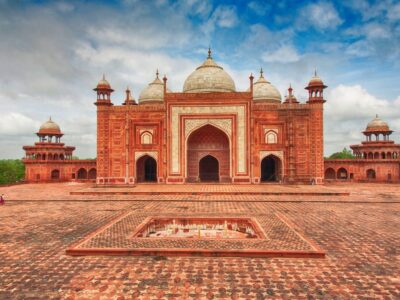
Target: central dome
(209, 77)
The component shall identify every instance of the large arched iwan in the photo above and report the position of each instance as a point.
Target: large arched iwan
(208, 140)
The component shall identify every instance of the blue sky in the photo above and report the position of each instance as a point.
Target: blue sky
(52, 53)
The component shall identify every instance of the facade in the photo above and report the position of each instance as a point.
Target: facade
(210, 132)
(50, 160)
(376, 159)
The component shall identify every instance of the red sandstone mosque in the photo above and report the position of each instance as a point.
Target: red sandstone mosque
(210, 132)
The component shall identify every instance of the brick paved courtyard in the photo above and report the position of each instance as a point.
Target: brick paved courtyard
(360, 234)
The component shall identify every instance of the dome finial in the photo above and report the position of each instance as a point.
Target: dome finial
(209, 52)
(315, 72)
(157, 73)
(376, 116)
(261, 73)
(104, 76)
(50, 118)
(290, 90)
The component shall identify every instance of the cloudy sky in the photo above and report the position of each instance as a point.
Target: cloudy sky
(52, 54)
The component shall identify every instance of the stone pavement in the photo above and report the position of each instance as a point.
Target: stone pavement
(360, 238)
(363, 192)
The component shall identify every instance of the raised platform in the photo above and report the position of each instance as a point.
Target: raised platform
(274, 236)
(210, 189)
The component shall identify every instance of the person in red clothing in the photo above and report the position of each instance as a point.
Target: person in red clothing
(2, 201)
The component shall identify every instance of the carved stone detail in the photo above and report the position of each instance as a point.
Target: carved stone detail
(278, 154)
(139, 154)
(223, 124)
(241, 140)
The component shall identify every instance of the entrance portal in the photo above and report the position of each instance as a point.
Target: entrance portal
(209, 169)
(270, 169)
(146, 169)
(208, 155)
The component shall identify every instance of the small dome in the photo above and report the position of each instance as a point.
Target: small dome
(263, 90)
(153, 92)
(103, 83)
(49, 127)
(377, 124)
(209, 77)
(316, 80)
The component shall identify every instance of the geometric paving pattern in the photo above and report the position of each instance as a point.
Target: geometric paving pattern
(361, 241)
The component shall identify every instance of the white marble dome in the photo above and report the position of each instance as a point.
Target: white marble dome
(263, 90)
(154, 92)
(209, 77)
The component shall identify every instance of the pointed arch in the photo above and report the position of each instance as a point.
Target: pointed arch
(271, 137)
(271, 169)
(330, 173)
(203, 141)
(82, 174)
(146, 138)
(55, 174)
(146, 169)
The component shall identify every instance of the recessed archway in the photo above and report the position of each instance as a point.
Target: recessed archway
(146, 169)
(371, 174)
(209, 168)
(211, 141)
(82, 174)
(330, 173)
(55, 174)
(92, 174)
(342, 173)
(270, 169)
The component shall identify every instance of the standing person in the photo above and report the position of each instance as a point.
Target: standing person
(2, 201)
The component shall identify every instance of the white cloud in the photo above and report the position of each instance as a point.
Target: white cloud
(284, 54)
(354, 102)
(394, 12)
(348, 110)
(376, 31)
(360, 48)
(14, 123)
(224, 16)
(260, 8)
(321, 16)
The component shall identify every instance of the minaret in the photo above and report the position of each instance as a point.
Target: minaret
(316, 127)
(104, 104)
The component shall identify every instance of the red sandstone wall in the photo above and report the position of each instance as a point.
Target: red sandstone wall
(385, 170)
(40, 171)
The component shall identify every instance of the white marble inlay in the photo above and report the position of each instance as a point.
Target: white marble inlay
(240, 112)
